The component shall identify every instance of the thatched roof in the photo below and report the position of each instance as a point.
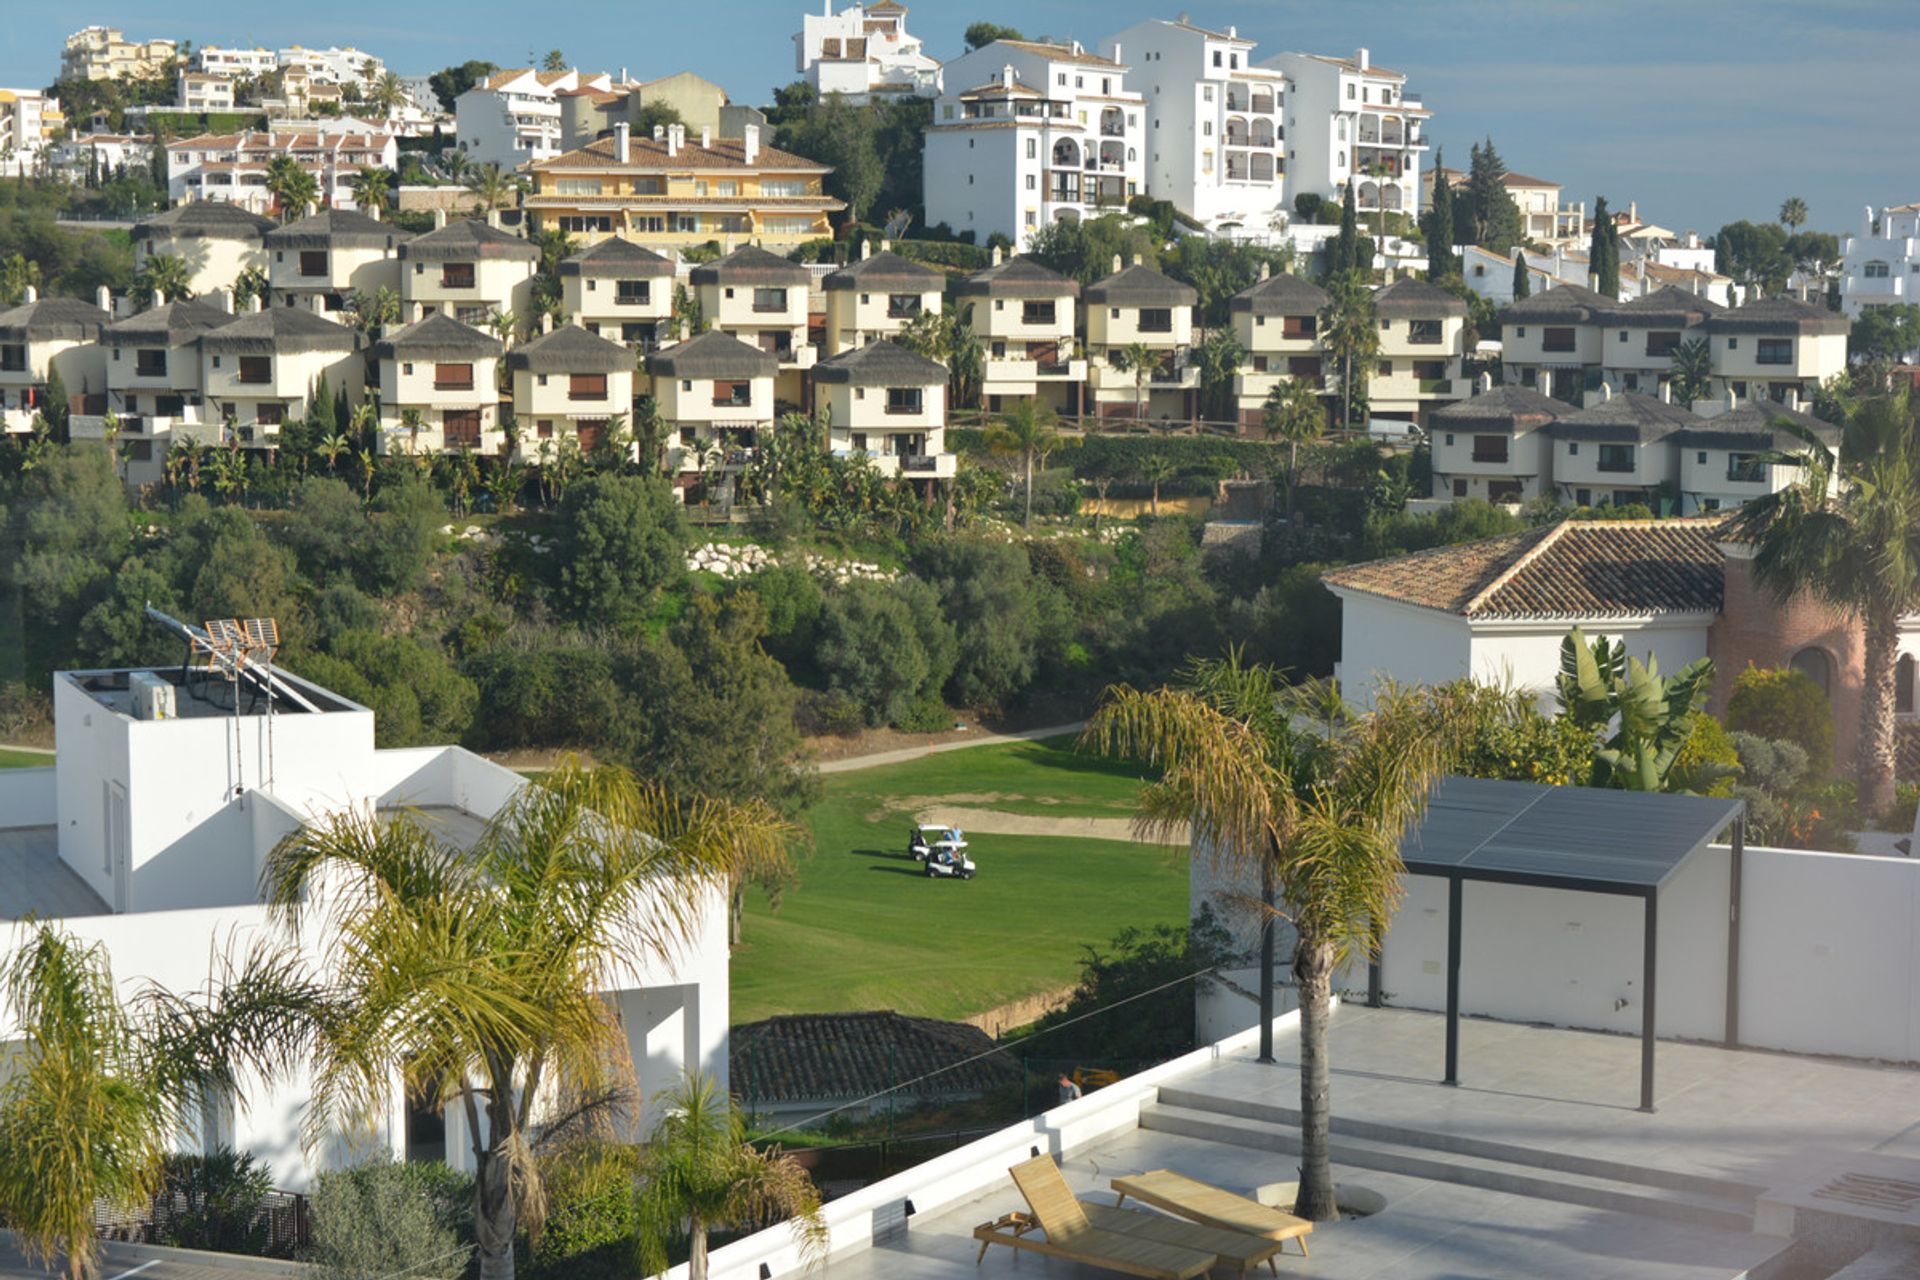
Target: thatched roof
(1785, 316)
(1562, 304)
(881, 364)
(336, 229)
(280, 331)
(467, 241)
(1416, 300)
(205, 220)
(1671, 307)
(1507, 408)
(172, 324)
(619, 258)
(713, 355)
(1141, 286)
(1755, 426)
(52, 319)
(570, 349)
(1282, 295)
(1020, 277)
(752, 265)
(438, 337)
(1628, 418)
(884, 270)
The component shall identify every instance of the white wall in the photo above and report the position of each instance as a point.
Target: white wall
(1383, 638)
(1528, 654)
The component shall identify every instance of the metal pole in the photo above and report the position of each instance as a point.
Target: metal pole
(1266, 963)
(1375, 994)
(1652, 929)
(1454, 886)
(1734, 868)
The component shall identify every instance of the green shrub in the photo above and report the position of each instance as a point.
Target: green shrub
(385, 1219)
(590, 1214)
(926, 714)
(1708, 763)
(1781, 703)
(820, 713)
(215, 1199)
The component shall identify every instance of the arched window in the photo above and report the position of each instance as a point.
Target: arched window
(1816, 666)
(1903, 672)
(1066, 154)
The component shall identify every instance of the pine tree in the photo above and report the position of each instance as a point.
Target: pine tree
(1522, 282)
(1495, 218)
(55, 408)
(1603, 251)
(320, 408)
(1440, 260)
(1348, 242)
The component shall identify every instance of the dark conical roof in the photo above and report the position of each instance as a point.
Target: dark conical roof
(884, 270)
(1282, 295)
(438, 336)
(1019, 277)
(617, 257)
(336, 229)
(280, 331)
(881, 364)
(713, 355)
(750, 264)
(570, 349)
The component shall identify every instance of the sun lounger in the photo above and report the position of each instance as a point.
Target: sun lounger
(1112, 1238)
(1210, 1206)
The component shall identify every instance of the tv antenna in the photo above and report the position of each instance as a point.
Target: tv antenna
(238, 651)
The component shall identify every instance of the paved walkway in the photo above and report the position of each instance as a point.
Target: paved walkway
(997, 822)
(915, 753)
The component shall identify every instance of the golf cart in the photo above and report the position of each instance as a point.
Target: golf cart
(949, 862)
(942, 849)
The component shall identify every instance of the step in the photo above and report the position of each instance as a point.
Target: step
(1457, 1144)
(1455, 1167)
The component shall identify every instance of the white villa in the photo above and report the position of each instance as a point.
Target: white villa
(864, 52)
(1880, 263)
(1356, 124)
(514, 117)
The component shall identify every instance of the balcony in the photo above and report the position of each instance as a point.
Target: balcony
(1746, 471)
(453, 384)
(1439, 387)
(919, 462)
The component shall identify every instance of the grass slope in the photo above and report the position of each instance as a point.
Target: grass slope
(11, 759)
(865, 930)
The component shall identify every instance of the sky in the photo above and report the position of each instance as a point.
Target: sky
(1701, 111)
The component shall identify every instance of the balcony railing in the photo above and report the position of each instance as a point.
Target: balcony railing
(1440, 387)
(451, 384)
(919, 462)
(1746, 472)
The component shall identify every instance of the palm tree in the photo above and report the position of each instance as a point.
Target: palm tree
(369, 467)
(1691, 371)
(291, 187)
(387, 93)
(413, 422)
(371, 190)
(1138, 359)
(1026, 431)
(1218, 359)
(165, 274)
(1316, 813)
(1293, 413)
(495, 188)
(456, 162)
(1793, 213)
(1350, 332)
(700, 1172)
(331, 446)
(476, 975)
(97, 1088)
(1847, 532)
(1156, 469)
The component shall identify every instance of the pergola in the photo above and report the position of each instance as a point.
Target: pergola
(1629, 843)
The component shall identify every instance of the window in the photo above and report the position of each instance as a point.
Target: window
(1425, 332)
(313, 262)
(1616, 457)
(733, 394)
(1385, 368)
(649, 223)
(1216, 62)
(1903, 672)
(632, 293)
(461, 427)
(1774, 351)
(1156, 320)
(903, 306)
(1459, 488)
(149, 364)
(1349, 93)
(458, 275)
(578, 186)
(587, 223)
(1662, 343)
(1623, 335)
(1033, 182)
(256, 369)
(1816, 666)
(1556, 339)
(1733, 344)
(904, 399)
(453, 377)
(1489, 448)
(770, 299)
(1033, 148)
(686, 223)
(783, 188)
(1299, 326)
(1875, 271)
(270, 415)
(543, 428)
(1745, 468)
(587, 386)
(1032, 312)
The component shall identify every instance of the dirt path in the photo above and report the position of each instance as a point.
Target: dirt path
(976, 739)
(994, 822)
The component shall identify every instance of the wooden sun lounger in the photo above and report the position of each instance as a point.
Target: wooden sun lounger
(1210, 1206)
(1117, 1239)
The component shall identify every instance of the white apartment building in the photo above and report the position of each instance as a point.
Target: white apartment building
(146, 836)
(1880, 264)
(1277, 321)
(263, 368)
(1215, 137)
(619, 290)
(470, 270)
(153, 385)
(1351, 121)
(42, 336)
(864, 52)
(204, 91)
(234, 61)
(333, 65)
(568, 387)
(321, 261)
(1027, 134)
(105, 53)
(1543, 218)
(1422, 342)
(514, 117)
(75, 158)
(27, 118)
(233, 166)
(767, 302)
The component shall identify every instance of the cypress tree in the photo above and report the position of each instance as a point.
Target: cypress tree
(55, 408)
(1603, 250)
(1349, 240)
(320, 411)
(1440, 260)
(1522, 282)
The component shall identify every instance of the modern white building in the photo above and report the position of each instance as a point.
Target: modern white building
(514, 117)
(1880, 263)
(864, 52)
(27, 120)
(204, 91)
(148, 832)
(333, 65)
(233, 166)
(105, 53)
(1215, 133)
(1028, 134)
(233, 61)
(1351, 121)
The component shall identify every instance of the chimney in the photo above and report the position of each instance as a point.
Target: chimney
(1360, 57)
(866, 250)
(224, 300)
(1116, 51)
(1136, 260)
(1866, 223)
(1593, 281)
(493, 219)
(706, 138)
(1006, 81)
(1793, 399)
(253, 303)
(1733, 401)
(1606, 391)
(33, 295)
(622, 141)
(159, 300)
(103, 298)
(1266, 269)
(993, 256)
(1544, 382)
(750, 143)
(659, 133)
(1483, 383)
(439, 218)
(546, 322)
(1116, 264)
(886, 245)
(372, 211)
(1666, 391)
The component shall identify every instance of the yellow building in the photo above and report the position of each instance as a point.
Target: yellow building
(676, 191)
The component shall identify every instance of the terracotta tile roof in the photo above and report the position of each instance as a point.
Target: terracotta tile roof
(820, 1057)
(1060, 53)
(651, 156)
(1572, 570)
(1513, 179)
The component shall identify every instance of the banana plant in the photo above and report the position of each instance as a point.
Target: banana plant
(1651, 715)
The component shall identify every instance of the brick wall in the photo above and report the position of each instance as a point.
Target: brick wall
(1755, 628)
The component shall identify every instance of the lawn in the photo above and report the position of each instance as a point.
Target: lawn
(865, 930)
(10, 759)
